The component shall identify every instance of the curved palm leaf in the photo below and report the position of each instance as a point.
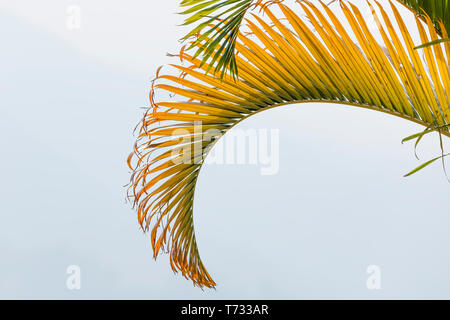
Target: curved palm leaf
(279, 63)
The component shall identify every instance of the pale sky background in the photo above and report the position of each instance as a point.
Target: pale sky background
(69, 102)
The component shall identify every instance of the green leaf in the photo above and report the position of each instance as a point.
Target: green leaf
(432, 43)
(425, 165)
(426, 131)
(227, 17)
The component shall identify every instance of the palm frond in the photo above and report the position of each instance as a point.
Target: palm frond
(287, 59)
